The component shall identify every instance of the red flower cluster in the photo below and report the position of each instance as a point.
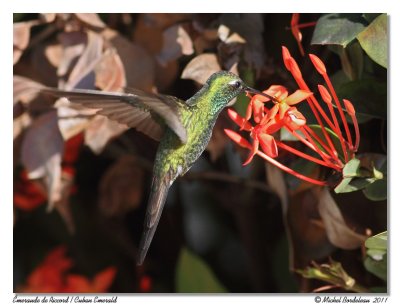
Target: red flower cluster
(51, 276)
(283, 114)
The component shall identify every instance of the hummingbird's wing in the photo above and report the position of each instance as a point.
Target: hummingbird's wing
(135, 108)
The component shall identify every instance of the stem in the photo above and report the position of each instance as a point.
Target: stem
(357, 131)
(346, 127)
(316, 137)
(312, 102)
(305, 156)
(324, 156)
(291, 171)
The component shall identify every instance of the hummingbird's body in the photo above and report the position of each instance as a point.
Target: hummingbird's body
(187, 130)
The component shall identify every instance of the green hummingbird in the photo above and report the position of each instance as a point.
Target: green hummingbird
(183, 128)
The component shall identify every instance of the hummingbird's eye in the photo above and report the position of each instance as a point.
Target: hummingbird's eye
(235, 84)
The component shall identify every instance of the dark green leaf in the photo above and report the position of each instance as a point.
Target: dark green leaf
(368, 97)
(194, 276)
(351, 168)
(337, 29)
(353, 184)
(378, 241)
(335, 139)
(374, 40)
(378, 268)
(370, 16)
(377, 191)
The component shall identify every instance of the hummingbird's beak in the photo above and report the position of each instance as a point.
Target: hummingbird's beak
(257, 92)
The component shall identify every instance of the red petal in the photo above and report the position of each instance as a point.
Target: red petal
(268, 145)
(294, 69)
(240, 121)
(349, 107)
(258, 110)
(318, 64)
(270, 114)
(325, 94)
(277, 91)
(253, 152)
(294, 118)
(286, 57)
(249, 110)
(298, 96)
(241, 141)
(274, 127)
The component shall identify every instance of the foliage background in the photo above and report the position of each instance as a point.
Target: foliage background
(223, 229)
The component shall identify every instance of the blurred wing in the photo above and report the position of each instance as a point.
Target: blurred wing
(135, 109)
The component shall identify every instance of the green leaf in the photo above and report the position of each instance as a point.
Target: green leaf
(335, 139)
(374, 40)
(377, 191)
(194, 276)
(353, 184)
(370, 16)
(337, 29)
(376, 261)
(378, 241)
(351, 169)
(378, 268)
(368, 96)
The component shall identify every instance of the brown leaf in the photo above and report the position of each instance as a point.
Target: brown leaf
(148, 36)
(72, 120)
(165, 20)
(100, 131)
(24, 89)
(63, 205)
(201, 68)
(91, 19)
(54, 54)
(138, 64)
(176, 42)
(20, 124)
(73, 45)
(82, 75)
(21, 38)
(42, 150)
(338, 232)
(109, 72)
(121, 187)
(48, 17)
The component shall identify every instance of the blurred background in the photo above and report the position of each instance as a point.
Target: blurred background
(81, 182)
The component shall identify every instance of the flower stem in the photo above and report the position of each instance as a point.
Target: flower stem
(306, 156)
(291, 171)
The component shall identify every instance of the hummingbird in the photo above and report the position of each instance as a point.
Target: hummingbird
(183, 128)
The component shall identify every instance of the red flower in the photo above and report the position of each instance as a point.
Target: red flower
(51, 276)
(284, 115)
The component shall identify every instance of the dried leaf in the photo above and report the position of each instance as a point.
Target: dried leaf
(54, 54)
(338, 232)
(63, 205)
(138, 64)
(21, 38)
(73, 45)
(121, 187)
(24, 89)
(48, 17)
(91, 19)
(42, 150)
(148, 36)
(100, 131)
(82, 76)
(20, 123)
(201, 68)
(109, 72)
(225, 35)
(71, 120)
(176, 42)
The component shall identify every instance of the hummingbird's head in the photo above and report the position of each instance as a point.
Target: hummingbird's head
(224, 86)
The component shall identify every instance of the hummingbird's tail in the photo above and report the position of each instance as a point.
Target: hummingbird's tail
(158, 195)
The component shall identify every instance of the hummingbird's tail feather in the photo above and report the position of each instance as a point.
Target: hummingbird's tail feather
(158, 195)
